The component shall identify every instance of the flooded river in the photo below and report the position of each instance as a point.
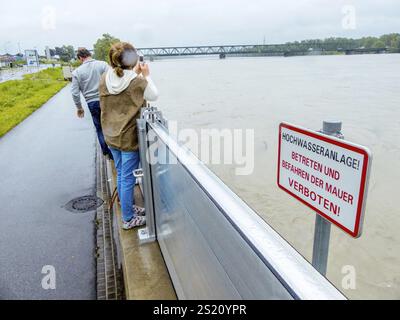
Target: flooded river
(259, 93)
(19, 72)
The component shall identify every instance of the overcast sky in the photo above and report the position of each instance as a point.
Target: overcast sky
(151, 23)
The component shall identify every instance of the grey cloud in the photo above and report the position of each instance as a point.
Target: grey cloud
(183, 22)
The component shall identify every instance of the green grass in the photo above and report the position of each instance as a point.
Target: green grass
(20, 98)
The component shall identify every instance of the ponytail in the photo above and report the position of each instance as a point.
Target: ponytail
(116, 57)
(119, 71)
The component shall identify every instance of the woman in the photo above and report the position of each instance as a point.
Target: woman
(123, 91)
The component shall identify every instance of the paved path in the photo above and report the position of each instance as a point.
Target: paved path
(46, 161)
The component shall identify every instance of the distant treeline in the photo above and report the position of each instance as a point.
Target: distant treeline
(388, 41)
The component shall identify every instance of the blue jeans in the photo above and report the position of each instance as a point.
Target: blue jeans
(125, 164)
(94, 108)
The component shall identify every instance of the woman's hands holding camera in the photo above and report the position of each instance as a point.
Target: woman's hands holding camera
(142, 68)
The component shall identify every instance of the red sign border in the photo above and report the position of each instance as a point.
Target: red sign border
(364, 175)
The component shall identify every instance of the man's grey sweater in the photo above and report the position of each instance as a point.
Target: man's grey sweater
(86, 79)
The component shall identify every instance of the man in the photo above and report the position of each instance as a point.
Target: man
(86, 79)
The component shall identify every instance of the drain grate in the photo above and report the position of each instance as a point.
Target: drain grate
(84, 204)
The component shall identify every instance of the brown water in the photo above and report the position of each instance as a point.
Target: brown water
(259, 93)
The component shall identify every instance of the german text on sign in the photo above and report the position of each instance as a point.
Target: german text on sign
(327, 174)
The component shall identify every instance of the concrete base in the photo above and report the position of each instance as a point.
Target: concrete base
(145, 274)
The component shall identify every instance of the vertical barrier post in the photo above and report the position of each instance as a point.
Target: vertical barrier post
(322, 230)
(147, 234)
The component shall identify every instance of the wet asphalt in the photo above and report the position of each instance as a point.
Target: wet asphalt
(46, 161)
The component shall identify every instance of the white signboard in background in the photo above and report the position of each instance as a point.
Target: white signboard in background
(32, 58)
(327, 174)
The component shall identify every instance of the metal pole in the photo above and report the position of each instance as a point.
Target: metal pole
(322, 231)
(322, 235)
(147, 234)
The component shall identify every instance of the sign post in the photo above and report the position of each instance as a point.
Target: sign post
(322, 231)
(327, 174)
(322, 235)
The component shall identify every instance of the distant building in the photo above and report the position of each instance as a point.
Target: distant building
(6, 60)
(19, 57)
(48, 53)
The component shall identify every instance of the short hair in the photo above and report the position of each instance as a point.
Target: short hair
(83, 53)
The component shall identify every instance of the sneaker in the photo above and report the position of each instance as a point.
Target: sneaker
(139, 211)
(135, 222)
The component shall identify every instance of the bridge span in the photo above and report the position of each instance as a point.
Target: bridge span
(266, 50)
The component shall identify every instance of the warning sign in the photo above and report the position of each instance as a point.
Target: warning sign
(32, 58)
(327, 174)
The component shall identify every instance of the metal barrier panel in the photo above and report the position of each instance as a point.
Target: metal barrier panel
(214, 245)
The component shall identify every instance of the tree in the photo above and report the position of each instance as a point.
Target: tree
(59, 51)
(368, 42)
(379, 44)
(103, 45)
(391, 40)
(395, 43)
(66, 53)
(69, 53)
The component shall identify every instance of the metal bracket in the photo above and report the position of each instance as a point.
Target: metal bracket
(144, 236)
(152, 114)
(138, 173)
(144, 174)
(149, 114)
(332, 128)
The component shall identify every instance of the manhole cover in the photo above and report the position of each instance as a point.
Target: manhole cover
(84, 204)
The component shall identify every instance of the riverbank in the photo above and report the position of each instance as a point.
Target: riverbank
(20, 98)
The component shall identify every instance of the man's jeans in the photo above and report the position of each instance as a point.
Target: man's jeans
(94, 108)
(125, 164)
